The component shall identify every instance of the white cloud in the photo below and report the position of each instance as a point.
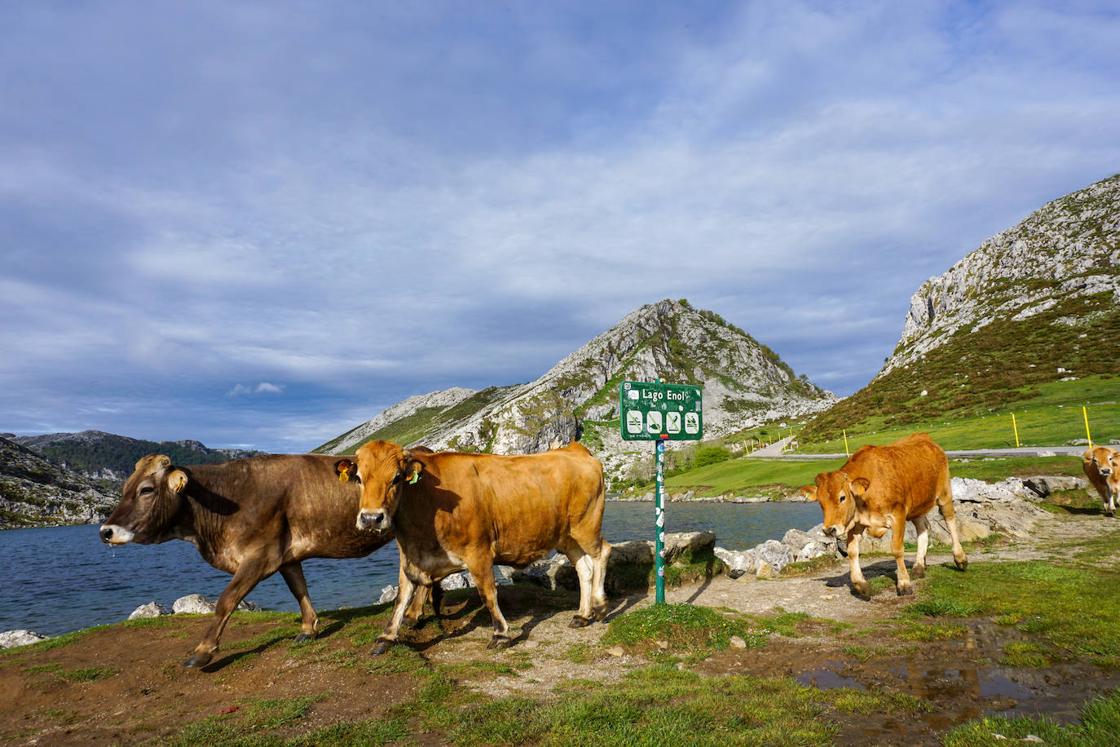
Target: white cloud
(263, 387)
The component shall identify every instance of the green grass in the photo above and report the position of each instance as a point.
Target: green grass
(86, 674)
(685, 628)
(1100, 725)
(1074, 611)
(745, 475)
(250, 726)
(1051, 417)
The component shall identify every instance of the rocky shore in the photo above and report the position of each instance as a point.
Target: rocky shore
(1008, 508)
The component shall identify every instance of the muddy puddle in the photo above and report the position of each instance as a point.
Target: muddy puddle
(960, 678)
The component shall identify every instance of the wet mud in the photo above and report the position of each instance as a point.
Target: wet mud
(960, 679)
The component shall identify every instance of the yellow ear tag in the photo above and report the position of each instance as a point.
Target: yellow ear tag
(343, 474)
(415, 478)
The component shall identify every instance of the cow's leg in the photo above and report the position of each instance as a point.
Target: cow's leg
(585, 570)
(598, 582)
(415, 614)
(945, 506)
(1111, 503)
(248, 575)
(482, 573)
(297, 584)
(859, 583)
(406, 590)
(921, 526)
(898, 538)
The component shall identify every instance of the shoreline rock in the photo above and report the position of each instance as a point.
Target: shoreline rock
(14, 638)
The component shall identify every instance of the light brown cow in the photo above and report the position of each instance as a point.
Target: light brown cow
(883, 487)
(1102, 467)
(451, 511)
(252, 518)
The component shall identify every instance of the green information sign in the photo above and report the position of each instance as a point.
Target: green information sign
(657, 412)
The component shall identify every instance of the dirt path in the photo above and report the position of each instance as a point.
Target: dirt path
(124, 684)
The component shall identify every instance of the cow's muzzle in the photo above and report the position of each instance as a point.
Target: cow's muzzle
(834, 531)
(111, 534)
(1105, 472)
(371, 519)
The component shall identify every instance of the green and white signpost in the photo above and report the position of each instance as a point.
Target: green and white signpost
(660, 412)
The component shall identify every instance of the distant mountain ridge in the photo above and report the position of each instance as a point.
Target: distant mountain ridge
(37, 492)
(110, 457)
(1037, 303)
(744, 382)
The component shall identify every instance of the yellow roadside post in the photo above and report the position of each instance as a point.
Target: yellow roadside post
(846, 451)
(1015, 427)
(1085, 414)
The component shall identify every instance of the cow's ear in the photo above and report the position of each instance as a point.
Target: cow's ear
(344, 468)
(413, 467)
(177, 480)
(1087, 457)
(809, 491)
(860, 486)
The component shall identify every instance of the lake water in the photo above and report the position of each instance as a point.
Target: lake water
(63, 578)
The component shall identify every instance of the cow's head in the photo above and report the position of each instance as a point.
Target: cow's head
(383, 468)
(1107, 463)
(839, 496)
(149, 501)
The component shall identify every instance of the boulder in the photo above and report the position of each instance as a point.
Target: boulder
(388, 594)
(736, 564)
(691, 543)
(814, 550)
(151, 609)
(773, 554)
(13, 638)
(634, 552)
(196, 604)
(552, 573)
(795, 539)
(460, 580)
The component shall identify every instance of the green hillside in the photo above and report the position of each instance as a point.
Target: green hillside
(1005, 366)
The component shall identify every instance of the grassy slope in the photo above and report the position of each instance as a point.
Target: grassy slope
(1051, 417)
(1002, 365)
(420, 424)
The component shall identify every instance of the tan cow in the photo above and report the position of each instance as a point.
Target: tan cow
(451, 511)
(883, 487)
(1102, 467)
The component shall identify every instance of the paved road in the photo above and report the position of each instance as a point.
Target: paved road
(774, 451)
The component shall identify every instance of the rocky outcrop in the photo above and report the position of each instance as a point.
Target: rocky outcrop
(13, 638)
(197, 604)
(36, 492)
(1068, 248)
(744, 384)
(151, 609)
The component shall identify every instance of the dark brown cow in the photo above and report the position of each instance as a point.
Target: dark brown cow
(451, 511)
(1102, 467)
(251, 518)
(883, 487)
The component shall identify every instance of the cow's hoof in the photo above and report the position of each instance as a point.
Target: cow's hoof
(579, 621)
(962, 563)
(197, 661)
(304, 637)
(918, 571)
(862, 590)
(499, 642)
(380, 647)
(1110, 514)
(599, 614)
(906, 591)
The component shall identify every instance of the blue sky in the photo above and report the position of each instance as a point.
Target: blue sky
(260, 223)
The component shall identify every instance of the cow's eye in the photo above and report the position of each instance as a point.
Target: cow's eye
(843, 497)
(397, 477)
(147, 489)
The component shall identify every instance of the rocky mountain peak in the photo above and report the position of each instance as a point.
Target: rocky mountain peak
(745, 383)
(1068, 248)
